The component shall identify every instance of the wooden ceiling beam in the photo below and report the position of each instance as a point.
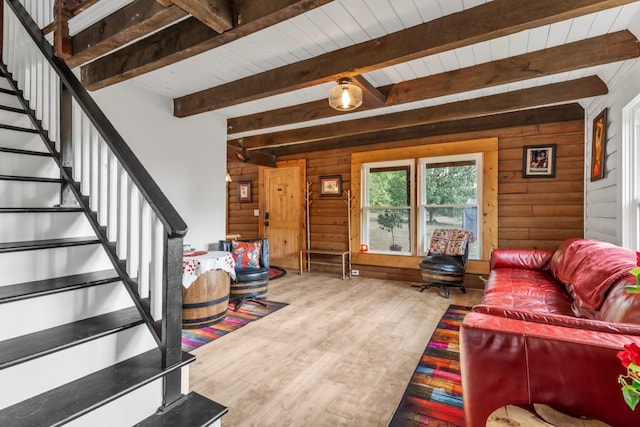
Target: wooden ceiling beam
(188, 38)
(253, 158)
(595, 51)
(371, 96)
(481, 23)
(123, 26)
(585, 87)
(556, 113)
(216, 14)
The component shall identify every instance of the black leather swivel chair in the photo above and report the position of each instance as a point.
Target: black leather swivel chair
(250, 283)
(445, 264)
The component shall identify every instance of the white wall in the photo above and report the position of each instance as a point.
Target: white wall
(603, 205)
(186, 157)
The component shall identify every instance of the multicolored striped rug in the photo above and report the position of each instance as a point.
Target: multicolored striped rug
(434, 394)
(248, 312)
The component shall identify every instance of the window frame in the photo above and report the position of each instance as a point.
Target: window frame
(421, 205)
(630, 228)
(365, 207)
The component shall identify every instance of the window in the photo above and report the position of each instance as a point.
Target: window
(387, 206)
(631, 175)
(450, 197)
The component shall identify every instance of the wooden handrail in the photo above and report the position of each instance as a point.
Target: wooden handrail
(172, 221)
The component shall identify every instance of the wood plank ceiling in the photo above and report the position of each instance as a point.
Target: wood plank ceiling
(427, 66)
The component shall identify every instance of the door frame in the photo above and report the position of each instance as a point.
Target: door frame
(301, 164)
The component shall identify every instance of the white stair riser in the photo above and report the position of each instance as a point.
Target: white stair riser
(128, 410)
(19, 227)
(21, 140)
(15, 119)
(53, 370)
(33, 314)
(27, 266)
(26, 165)
(21, 194)
(9, 100)
(4, 84)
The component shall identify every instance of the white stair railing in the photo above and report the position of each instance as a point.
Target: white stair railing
(127, 209)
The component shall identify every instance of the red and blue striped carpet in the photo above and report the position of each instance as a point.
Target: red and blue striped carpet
(434, 394)
(248, 312)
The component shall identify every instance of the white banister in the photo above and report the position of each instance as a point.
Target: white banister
(124, 198)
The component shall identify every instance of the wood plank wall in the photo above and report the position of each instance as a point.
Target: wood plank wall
(533, 212)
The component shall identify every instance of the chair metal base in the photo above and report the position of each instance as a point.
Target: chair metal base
(445, 287)
(238, 302)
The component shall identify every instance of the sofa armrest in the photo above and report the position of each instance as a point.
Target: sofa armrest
(509, 361)
(529, 259)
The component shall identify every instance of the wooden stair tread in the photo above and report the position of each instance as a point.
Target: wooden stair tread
(72, 400)
(193, 410)
(13, 109)
(53, 209)
(57, 284)
(21, 349)
(46, 244)
(30, 178)
(19, 128)
(25, 152)
(8, 91)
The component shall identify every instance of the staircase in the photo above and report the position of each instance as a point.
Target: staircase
(90, 255)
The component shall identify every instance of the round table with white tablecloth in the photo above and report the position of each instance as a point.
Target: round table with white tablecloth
(206, 285)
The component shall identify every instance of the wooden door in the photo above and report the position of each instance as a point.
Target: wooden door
(283, 214)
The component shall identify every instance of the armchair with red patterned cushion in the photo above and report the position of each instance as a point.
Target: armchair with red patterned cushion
(446, 263)
(252, 269)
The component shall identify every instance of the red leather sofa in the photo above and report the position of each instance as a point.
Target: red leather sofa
(548, 330)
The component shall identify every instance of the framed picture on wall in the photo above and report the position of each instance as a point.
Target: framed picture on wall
(539, 161)
(244, 191)
(330, 186)
(598, 143)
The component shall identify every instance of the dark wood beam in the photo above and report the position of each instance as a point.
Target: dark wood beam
(595, 51)
(216, 14)
(521, 99)
(61, 39)
(371, 96)
(78, 6)
(556, 113)
(255, 158)
(490, 20)
(188, 38)
(165, 3)
(121, 27)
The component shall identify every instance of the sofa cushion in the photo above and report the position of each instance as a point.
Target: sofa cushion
(587, 269)
(536, 291)
(246, 254)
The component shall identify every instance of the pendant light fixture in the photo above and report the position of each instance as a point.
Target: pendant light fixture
(345, 96)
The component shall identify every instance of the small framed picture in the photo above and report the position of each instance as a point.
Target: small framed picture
(598, 143)
(539, 161)
(330, 186)
(244, 191)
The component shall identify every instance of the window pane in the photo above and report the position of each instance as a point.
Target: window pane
(450, 184)
(389, 186)
(466, 218)
(389, 230)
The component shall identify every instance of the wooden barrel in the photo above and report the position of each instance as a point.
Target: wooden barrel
(249, 289)
(205, 302)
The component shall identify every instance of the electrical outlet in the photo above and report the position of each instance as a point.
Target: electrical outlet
(256, 212)
(355, 272)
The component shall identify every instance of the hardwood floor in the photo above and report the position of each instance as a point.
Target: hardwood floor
(341, 353)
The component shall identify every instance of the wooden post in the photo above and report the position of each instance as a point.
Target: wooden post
(62, 45)
(349, 207)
